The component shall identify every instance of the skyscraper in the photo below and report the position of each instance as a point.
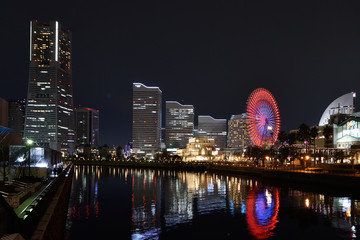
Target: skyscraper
(179, 124)
(49, 118)
(146, 126)
(17, 115)
(87, 126)
(238, 136)
(213, 128)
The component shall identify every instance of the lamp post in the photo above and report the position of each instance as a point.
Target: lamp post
(29, 142)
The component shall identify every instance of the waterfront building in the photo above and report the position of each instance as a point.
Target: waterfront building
(199, 149)
(17, 116)
(87, 126)
(347, 133)
(146, 124)
(4, 108)
(343, 105)
(49, 117)
(238, 136)
(213, 128)
(179, 124)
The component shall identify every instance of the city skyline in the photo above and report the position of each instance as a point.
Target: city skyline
(306, 61)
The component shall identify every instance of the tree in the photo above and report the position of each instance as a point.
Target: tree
(5, 158)
(313, 134)
(328, 133)
(303, 135)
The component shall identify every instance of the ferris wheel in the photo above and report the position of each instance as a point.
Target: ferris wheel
(263, 117)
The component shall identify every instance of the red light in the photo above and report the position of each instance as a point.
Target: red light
(144, 121)
(133, 101)
(133, 140)
(155, 101)
(144, 140)
(133, 121)
(144, 101)
(155, 121)
(155, 141)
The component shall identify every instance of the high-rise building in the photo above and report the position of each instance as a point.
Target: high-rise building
(213, 128)
(4, 111)
(146, 127)
(238, 136)
(87, 126)
(49, 118)
(17, 115)
(179, 124)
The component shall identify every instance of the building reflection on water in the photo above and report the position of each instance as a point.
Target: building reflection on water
(163, 200)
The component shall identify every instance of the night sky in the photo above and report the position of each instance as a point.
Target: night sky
(211, 54)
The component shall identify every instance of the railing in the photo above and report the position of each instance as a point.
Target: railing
(33, 214)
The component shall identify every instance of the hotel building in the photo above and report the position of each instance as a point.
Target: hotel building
(179, 124)
(213, 128)
(146, 124)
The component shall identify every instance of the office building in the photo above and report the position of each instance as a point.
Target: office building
(17, 115)
(87, 126)
(213, 128)
(238, 136)
(49, 118)
(179, 124)
(146, 125)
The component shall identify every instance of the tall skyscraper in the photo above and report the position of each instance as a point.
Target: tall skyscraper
(17, 116)
(179, 124)
(213, 128)
(49, 118)
(238, 136)
(87, 126)
(146, 128)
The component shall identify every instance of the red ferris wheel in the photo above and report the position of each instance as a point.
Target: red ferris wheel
(263, 118)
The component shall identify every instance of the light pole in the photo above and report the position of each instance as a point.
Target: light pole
(29, 142)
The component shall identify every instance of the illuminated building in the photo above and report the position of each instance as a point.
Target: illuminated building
(17, 115)
(213, 128)
(146, 127)
(238, 136)
(49, 118)
(344, 104)
(179, 124)
(347, 133)
(4, 106)
(199, 149)
(87, 126)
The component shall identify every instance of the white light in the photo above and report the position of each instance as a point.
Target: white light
(30, 39)
(269, 128)
(41, 165)
(56, 40)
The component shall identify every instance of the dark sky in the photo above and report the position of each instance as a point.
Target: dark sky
(211, 54)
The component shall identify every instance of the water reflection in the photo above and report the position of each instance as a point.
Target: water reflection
(164, 203)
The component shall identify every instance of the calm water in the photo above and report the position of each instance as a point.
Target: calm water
(119, 203)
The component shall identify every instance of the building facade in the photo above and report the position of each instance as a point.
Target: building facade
(87, 126)
(213, 128)
(238, 136)
(179, 124)
(343, 105)
(347, 133)
(199, 149)
(146, 125)
(49, 118)
(17, 115)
